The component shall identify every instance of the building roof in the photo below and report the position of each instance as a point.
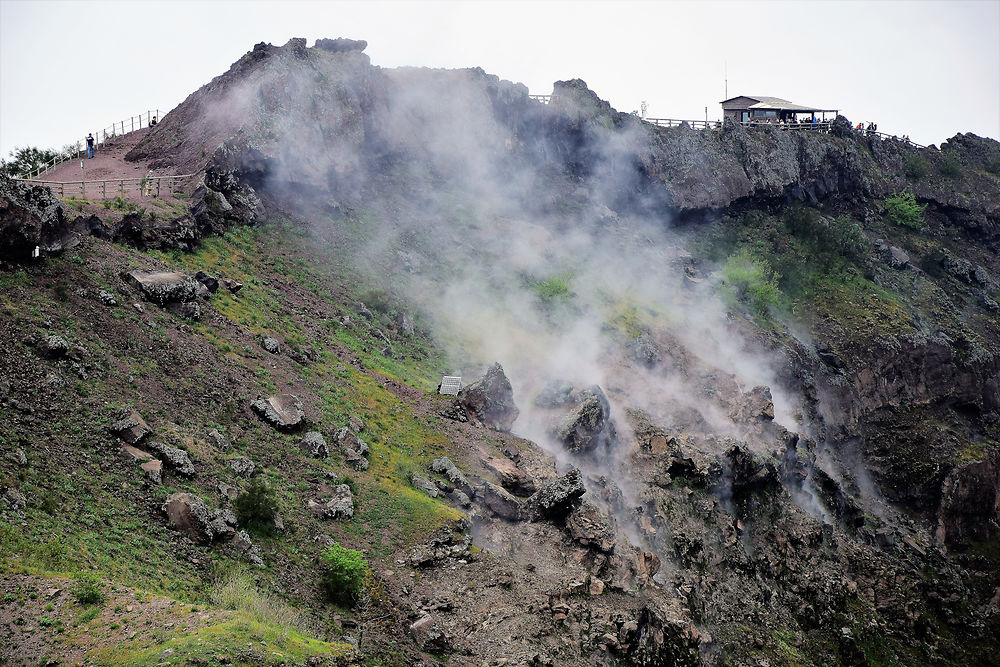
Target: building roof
(775, 103)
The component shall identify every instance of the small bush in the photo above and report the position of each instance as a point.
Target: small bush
(378, 300)
(344, 574)
(256, 508)
(950, 166)
(902, 209)
(87, 589)
(915, 167)
(553, 288)
(752, 281)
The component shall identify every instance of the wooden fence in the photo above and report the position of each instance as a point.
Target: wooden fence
(544, 99)
(146, 186)
(101, 138)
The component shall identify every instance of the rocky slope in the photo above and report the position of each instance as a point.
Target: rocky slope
(746, 413)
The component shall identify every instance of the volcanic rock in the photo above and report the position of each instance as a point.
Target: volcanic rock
(153, 470)
(501, 503)
(220, 441)
(187, 512)
(429, 636)
(314, 444)
(242, 467)
(490, 400)
(176, 458)
(421, 483)
(340, 506)
(511, 477)
(355, 449)
(270, 344)
(283, 412)
(54, 346)
(586, 426)
(445, 467)
(211, 283)
(245, 547)
(131, 428)
(556, 499)
(341, 45)
(591, 528)
(970, 502)
(164, 287)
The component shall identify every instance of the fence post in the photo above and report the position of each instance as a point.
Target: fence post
(104, 189)
(158, 187)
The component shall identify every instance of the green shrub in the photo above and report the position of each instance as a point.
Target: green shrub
(752, 281)
(256, 508)
(915, 167)
(553, 288)
(344, 572)
(902, 209)
(951, 165)
(87, 589)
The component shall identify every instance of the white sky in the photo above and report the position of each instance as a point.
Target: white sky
(925, 69)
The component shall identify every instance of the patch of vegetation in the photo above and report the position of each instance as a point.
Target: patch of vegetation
(751, 280)
(256, 508)
(902, 209)
(951, 166)
(344, 572)
(552, 289)
(23, 162)
(88, 588)
(915, 166)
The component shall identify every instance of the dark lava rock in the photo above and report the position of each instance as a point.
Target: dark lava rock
(421, 483)
(970, 502)
(314, 444)
(490, 400)
(445, 467)
(270, 344)
(54, 346)
(242, 467)
(586, 426)
(283, 412)
(210, 282)
(555, 394)
(30, 217)
(176, 458)
(557, 499)
(355, 449)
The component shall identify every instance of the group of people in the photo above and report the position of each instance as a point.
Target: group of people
(871, 128)
(90, 139)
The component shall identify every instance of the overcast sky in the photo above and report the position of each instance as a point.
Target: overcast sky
(925, 69)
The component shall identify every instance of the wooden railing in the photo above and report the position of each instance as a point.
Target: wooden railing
(544, 99)
(147, 186)
(101, 137)
(673, 122)
(822, 126)
(892, 137)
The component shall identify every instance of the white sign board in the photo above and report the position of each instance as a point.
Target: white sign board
(450, 384)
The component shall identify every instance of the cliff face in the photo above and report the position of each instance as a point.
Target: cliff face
(785, 403)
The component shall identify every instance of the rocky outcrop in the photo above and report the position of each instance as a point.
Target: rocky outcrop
(314, 444)
(490, 400)
(970, 502)
(30, 218)
(176, 458)
(131, 427)
(444, 466)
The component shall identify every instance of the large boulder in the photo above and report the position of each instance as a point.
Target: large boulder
(586, 426)
(176, 458)
(591, 528)
(131, 427)
(511, 477)
(284, 411)
(355, 449)
(501, 503)
(556, 499)
(314, 444)
(164, 287)
(188, 513)
(444, 466)
(490, 400)
(339, 506)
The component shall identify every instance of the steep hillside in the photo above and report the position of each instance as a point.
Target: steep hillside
(746, 411)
